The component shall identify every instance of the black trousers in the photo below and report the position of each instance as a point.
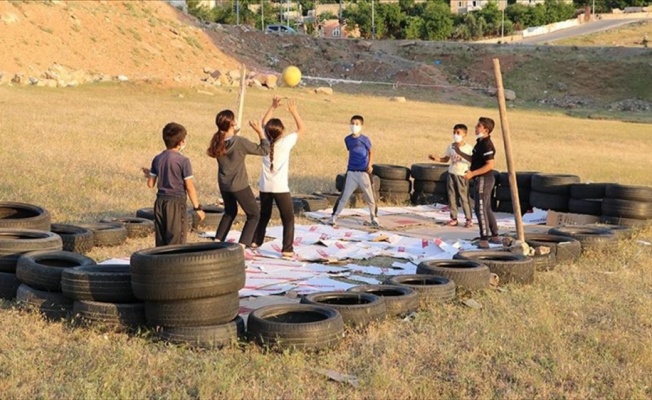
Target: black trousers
(484, 184)
(245, 198)
(286, 209)
(170, 220)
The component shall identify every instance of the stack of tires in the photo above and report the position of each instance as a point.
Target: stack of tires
(586, 198)
(626, 205)
(191, 291)
(552, 191)
(40, 275)
(430, 183)
(357, 200)
(395, 185)
(503, 193)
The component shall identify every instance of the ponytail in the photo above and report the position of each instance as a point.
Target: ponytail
(224, 120)
(273, 130)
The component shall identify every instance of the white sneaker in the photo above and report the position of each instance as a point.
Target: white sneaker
(332, 221)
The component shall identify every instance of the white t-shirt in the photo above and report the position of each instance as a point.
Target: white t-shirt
(458, 165)
(277, 181)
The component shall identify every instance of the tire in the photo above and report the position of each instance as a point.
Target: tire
(394, 186)
(8, 285)
(42, 269)
(23, 216)
(75, 238)
(629, 222)
(547, 201)
(585, 206)
(553, 183)
(420, 198)
(392, 172)
(589, 237)
(213, 217)
(298, 207)
(108, 283)
(626, 208)
(544, 262)
(207, 337)
(504, 193)
(14, 242)
(429, 172)
(136, 227)
(52, 305)
(107, 234)
(331, 197)
(399, 300)
(431, 288)
(118, 316)
(588, 190)
(311, 202)
(524, 179)
(626, 192)
(510, 267)
(187, 271)
(470, 275)
(564, 248)
(296, 326)
(357, 309)
(395, 197)
(433, 187)
(147, 213)
(193, 312)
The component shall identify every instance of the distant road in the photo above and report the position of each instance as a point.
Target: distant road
(585, 29)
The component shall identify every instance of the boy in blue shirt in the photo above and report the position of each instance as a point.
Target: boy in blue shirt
(358, 173)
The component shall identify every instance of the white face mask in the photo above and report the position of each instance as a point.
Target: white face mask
(457, 138)
(479, 135)
(356, 129)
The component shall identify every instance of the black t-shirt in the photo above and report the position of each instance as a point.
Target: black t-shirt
(483, 151)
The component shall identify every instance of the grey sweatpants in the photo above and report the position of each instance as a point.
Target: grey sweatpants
(458, 188)
(354, 180)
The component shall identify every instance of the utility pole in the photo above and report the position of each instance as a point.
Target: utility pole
(262, 15)
(237, 12)
(339, 16)
(502, 26)
(373, 22)
(593, 11)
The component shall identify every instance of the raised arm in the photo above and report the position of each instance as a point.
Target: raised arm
(292, 108)
(276, 101)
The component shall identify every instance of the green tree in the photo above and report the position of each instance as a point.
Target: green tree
(359, 14)
(437, 21)
(390, 21)
(413, 27)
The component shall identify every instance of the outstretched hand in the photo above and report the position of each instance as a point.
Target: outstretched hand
(276, 101)
(292, 106)
(255, 125)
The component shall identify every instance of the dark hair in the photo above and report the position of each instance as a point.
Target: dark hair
(461, 127)
(488, 123)
(359, 118)
(173, 134)
(224, 120)
(273, 130)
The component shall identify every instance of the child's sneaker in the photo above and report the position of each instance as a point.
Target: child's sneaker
(452, 222)
(468, 224)
(287, 255)
(374, 224)
(332, 221)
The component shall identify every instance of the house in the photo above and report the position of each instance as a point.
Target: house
(464, 6)
(332, 29)
(182, 4)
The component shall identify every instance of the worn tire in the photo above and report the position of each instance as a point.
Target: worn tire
(585, 206)
(107, 234)
(429, 172)
(42, 269)
(193, 312)
(395, 197)
(628, 192)
(119, 316)
(187, 271)
(311, 202)
(510, 267)
(52, 305)
(431, 187)
(14, 242)
(395, 186)
(136, 227)
(9, 284)
(296, 326)
(548, 201)
(23, 216)
(146, 212)
(108, 283)
(357, 309)
(588, 190)
(393, 172)
(469, 275)
(628, 222)
(207, 337)
(213, 217)
(430, 287)
(565, 249)
(399, 300)
(554, 183)
(420, 198)
(626, 208)
(74, 238)
(591, 238)
(544, 262)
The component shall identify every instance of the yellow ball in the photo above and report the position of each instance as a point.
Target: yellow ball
(291, 76)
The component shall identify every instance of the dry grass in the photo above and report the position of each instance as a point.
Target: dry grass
(631, 35)
(581, 331)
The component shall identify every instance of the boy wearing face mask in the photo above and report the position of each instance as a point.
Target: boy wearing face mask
(358, 173)
(458, 187)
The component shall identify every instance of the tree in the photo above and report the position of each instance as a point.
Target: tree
(390, 21)
(437, 21)
(359, 14)
(413, 27)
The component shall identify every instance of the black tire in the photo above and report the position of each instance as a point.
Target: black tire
(42, 269)
(429, 172)
(213, 217)
(52, 305)
(504, 193)
(505, 206)
(431, 187)
(8, 285)
(629, 222)
(107, 234)
(193, 312)
(311, 202)
(75, 238)
(394, 172)
(118, 316)
(395, 198)
(136, 227)
(394, 186)
(510, 267)
(431, 288)
(628, 192)
(109, 283)
(524, 179)
(23, 216)
(626, 208)
(147, 213)
(588, 190)
(420, 198)
(14, 242)
(187, 271)
(564, 248)
(296, 326)
(544, 262)
(554, 183)
(590, 238)
(469, 275)
(399, 300)
(547, 201)
(207, 337)
(357, 309)
(298, 207)
(585, 206)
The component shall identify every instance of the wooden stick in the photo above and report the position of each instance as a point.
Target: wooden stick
(241, 95)
(516, 205)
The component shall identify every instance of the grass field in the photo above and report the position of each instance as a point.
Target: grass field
(583, 330)
(631, 35)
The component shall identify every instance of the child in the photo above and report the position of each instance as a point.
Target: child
(482, 164)
(230, 151)
(172, 173)
(273, 184)
(358, 172)
(458, 187)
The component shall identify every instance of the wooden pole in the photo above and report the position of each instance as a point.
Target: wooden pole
(241, 95)
(516, 205)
